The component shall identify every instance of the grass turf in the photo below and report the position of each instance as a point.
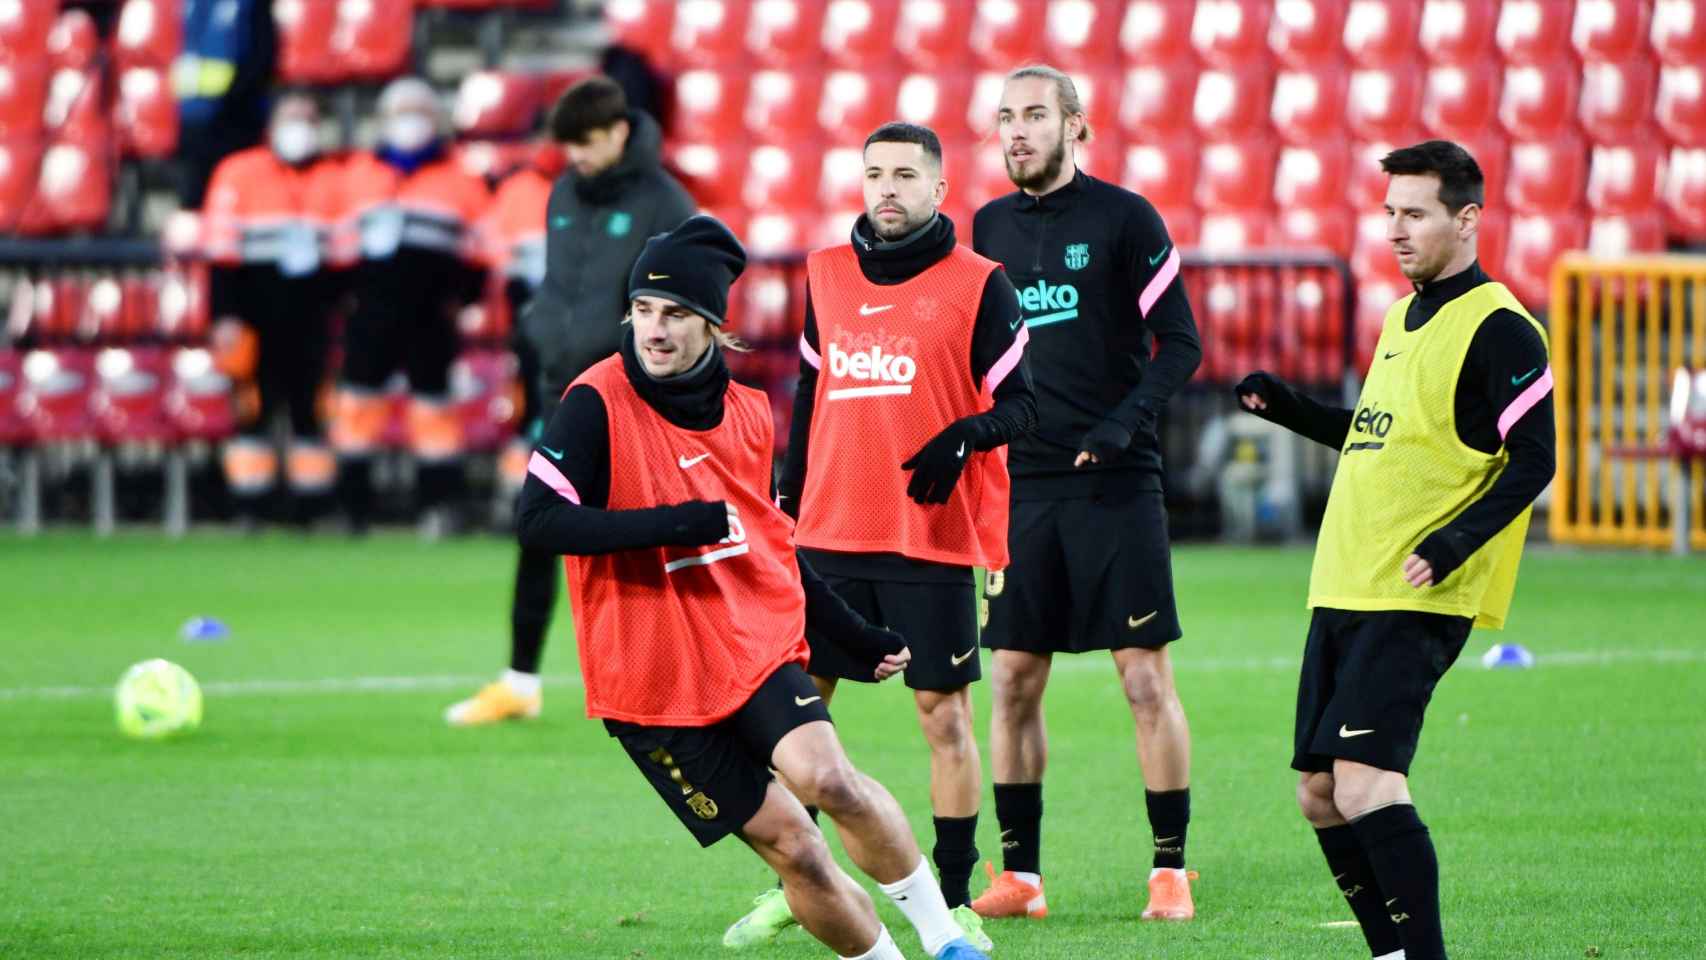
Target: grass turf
(321, 814)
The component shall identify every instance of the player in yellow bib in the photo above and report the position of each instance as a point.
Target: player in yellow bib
(1440, 462)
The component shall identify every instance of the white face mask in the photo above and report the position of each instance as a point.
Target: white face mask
(294, 141)
(409, 132)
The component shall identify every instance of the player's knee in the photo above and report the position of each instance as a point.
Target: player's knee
(837, 790)
(947, 726)
(1315, 799)
(1146, 688)
(803, 857)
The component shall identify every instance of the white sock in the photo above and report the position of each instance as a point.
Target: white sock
(1034, 879)
(1394, 955)
(920, 898)
(522, 684)
(1158, 870)
(884, 949)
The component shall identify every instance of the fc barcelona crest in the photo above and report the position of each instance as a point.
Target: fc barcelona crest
(1077, 256)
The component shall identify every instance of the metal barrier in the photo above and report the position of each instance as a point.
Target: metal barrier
(1619, 329)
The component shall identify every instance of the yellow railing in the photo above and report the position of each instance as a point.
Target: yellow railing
(1619, 329)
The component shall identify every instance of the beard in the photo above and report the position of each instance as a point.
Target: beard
(912, 222)
(1044, 175)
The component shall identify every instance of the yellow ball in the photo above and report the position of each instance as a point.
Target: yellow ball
(157, 698)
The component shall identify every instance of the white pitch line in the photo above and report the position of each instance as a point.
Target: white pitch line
(334, 685)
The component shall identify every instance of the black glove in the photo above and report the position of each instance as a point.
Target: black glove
(1271, 389)
(1105, 440)
(697, 523)
(840, 624)
(937, 466)
(1444, 551)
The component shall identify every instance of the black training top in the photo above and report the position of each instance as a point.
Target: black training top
(1098, 284)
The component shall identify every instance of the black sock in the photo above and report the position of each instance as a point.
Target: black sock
(1019, 811)
(1402, 855)
(1169, 815)
(1355, 877)
(355, 491)
(955, 856)
(536, 576)
(439, 484)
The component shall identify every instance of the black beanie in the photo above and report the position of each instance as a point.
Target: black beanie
(692, 265)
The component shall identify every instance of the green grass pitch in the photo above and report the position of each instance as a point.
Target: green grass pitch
(324, 810)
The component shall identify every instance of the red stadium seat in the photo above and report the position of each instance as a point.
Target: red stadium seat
(1625, 179)
(20, 160)
(841, 178)
(146, 115)
(1492, 154)
(491, 160)
(1102, 158)
(1236, 175)
(1099, 90)
(74, 189)
(23, 95)
(1005, 33)
(1615, 235)
(1316, 175)
(1383, 103)
(855, 102)
(128, 402)
(711, 169)
(1380, 34)
(1309, 103)
(199, 399)
(985, 176)
(24, 28)
(149, 33)
(1229, 231)
(1233, 102)
(1679, 32)
(184, 312)
(1539, 100)
(857, 34)
(938, 101)
(1617, 99)
(1082, 33)
(1547, 175)
(1458, 31)
(1184, 224)
(371, 37)
(782, 105)
(1328, 228)
(1609, 29)
(1371, 252)
(1154, 31)
(784, 33)
(490, 103)
(305, 41)
(782, 176)
(14, 429)
(643, 26)
(76, 103)
(1307, 33)
(1681, 106)
(1534, 31)
(779, 232)
(1231, 32)
(482, 389)
(931, 34)
(1375, 295)
(1164, 172)
(73, 43)
(708, 104)
(1460, 100)
(709, 32)
(1685, 194)
(1367, 180)
(1491, 240)
(1152, 95)
(1535, 242)
(54, 398)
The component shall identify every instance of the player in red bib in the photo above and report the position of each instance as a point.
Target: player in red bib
(654, 480)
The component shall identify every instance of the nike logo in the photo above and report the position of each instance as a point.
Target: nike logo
(803, 701)
(961, 451)
(1338, 876)
(1347, 733)
(555, 454)
(1391, 355)
(1517, 381)
(686, 462)
(1157, 258)
(1135, 622)
(962, 657)
(1160, 840)
(1017, 323)
(1392, 901)
(866, 310)
(657, 276)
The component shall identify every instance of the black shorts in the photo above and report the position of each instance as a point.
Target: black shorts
(714, 778)
(938, 620)
(1367, 678)
(1093, 573)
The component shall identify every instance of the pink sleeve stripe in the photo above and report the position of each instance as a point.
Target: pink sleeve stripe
(1525, 402)
(542, 468)
(1008, 360)
(810, 354)
(1158, 283)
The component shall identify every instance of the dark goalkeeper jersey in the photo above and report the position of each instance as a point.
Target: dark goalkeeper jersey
(1112, 336)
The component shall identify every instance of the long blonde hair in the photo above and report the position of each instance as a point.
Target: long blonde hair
(1065, 91)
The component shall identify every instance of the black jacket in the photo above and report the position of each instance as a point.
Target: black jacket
(594, 229)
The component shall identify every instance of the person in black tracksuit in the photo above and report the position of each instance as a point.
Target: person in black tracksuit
(1112, 338)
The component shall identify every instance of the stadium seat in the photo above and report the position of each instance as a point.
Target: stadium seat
(1163, 171)
(1006, 33)
(772, 233)
(782, 105)
(1679, 32)
(23, 95)
(146, 114)
(1625, 179)
(841, 178)
(1233, 102)
(1371, 252)
(784, 33)
(981, 107)
(1184, 224)
(1533, 31)
(1609, 29)
(1374, 296)
(712, 169)
(1460, 100)
(1367, 180)
(1309, 103)
(1685, 194)
(1231, 231)
(1100, 92)
(1491, 240)
(74, 189)
(1307, 33)
(1681, 103)
(1617, 99)
(1082, 33)
(1383, 103)
(784, 176)
(1330, 228)
(1458, 31)
(199, 399)
(708, 105)
(54, 397)
(128, 400)
(20, 159)
(483, 391)
(149, 33)
(938, 101)
(1617, 235)
(1102, 158)
(371, 37)
(857, 34)
(1316, 175)
(1236, 175)
(985, 177)
(1155, 31)
(23, 29)
(931, 34)
(1547, 175)
(643, 26)
(733, 217)
(1231, 33)
(77, 103)
(492, 103)
(14, 429)
(1150, 100)
(709, 32)
(1379, 34)
(184, 314)
(73, 43)
(1492, 154)
(1539, 100)
(304, 41)
(491, 160)
(1535, 242)
(855, 102)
